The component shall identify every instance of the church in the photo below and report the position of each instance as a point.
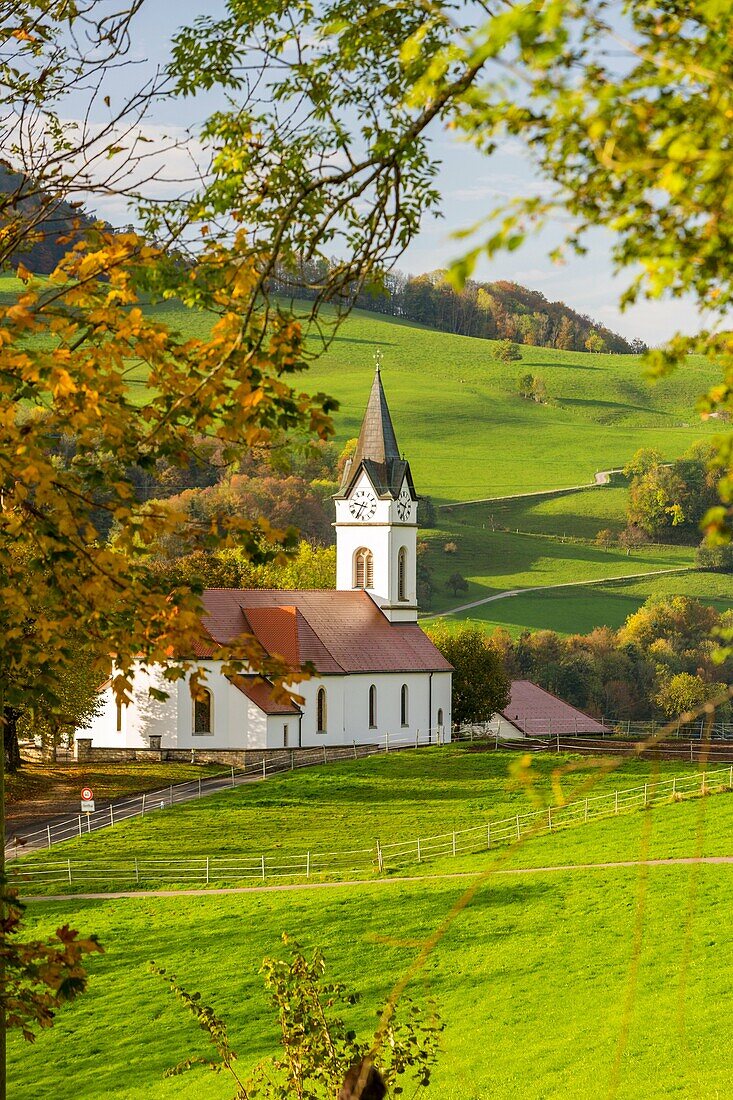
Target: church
(377, 676)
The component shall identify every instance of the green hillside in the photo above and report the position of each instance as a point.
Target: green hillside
(531, 979)
(468, 436)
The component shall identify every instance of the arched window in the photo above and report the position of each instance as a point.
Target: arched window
(402, 574)
(404, 717)
(372, 707)
(119, 716)
(321, 716)
(440, 718)
(202, 713)
(363, 568)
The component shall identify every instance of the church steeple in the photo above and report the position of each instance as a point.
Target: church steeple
(376, 516)
(376, 448)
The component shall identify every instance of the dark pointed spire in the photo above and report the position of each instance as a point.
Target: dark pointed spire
(376, 449)
(377, 441)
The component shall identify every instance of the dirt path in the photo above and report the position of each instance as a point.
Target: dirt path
(548, 587)
(601, 477)
(680, 862)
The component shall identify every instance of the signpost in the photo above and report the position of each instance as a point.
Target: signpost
(87, 800)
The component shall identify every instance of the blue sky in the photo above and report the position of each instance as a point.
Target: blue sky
(469, 183)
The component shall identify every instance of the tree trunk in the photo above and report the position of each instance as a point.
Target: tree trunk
(10, 738)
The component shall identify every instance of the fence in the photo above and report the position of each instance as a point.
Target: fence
(377, 859)
(547, 728)
(70, 828)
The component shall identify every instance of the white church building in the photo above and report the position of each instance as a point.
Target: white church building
(377, 675)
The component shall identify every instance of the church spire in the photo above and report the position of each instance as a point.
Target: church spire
(377, 441)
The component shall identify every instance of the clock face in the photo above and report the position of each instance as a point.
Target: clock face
(363, 504)
(404, 504)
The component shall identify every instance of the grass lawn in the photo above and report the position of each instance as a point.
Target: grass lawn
(578, 610)
(345, 806)
(38, 790)
(532, 980)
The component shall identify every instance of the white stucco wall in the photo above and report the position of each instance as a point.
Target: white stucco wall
(238, 724)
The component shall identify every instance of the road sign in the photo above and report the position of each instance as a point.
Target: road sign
(87, 794)
(87, 806)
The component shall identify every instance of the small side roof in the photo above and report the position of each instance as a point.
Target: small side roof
(262, 694)
(537, 712)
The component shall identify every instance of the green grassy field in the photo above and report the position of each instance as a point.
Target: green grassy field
(459, 420)
(533, 978)
(579, 609)
(345, 806)
(468, 435)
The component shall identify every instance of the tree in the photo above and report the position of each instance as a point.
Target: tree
(457, 583)
(480, 684)
(685, 693)
(595, 342)
(525, 386)
(654, 501)
(508, 352)
(604, 538)
(632, 538)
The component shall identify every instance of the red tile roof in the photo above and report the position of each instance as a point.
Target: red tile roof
(261, 694)
(338, 632)
(539, 713)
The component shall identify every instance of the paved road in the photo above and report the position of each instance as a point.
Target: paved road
(548, 587)
(621, 864)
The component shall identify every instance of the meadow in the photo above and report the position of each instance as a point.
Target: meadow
(579, 609)
(347, 805)
(468, 435)
(544, 984)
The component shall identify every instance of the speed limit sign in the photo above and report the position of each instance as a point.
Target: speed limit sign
(87, 794)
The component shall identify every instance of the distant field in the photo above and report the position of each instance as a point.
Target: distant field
(497, 561)
(578, 610)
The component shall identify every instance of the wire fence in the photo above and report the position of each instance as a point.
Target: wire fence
(136, 872)
(70, 828)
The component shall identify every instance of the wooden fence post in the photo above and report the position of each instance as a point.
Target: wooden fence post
(143, 810)
(419, 858)
(111, 815)
(519, 831)
(264, 769)
(380, 862)
(171, 795)
(325, 761)
(233, 774)
(69, 866)
(454, 842)
(308, 865)
(549, 818)
(207, 870)
(199, 786)
(645, 796)
(48, 831)
(586, 810)
(616, 801)
(80, 814)
(137, 872)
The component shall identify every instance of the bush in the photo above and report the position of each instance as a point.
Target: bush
(450, 548)
(717, 559)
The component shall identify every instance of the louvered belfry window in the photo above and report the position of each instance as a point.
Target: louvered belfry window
(363, 569)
